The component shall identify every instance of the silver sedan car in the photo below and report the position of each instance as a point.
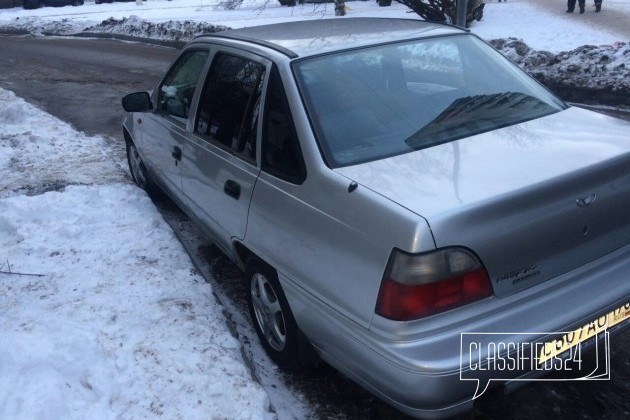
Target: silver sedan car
(390, 187)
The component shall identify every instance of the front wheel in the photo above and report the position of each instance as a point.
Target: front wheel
(138, 170)
(271, 315)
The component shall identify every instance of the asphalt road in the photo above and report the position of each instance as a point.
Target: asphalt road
(81, 81)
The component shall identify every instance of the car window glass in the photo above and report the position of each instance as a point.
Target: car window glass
(176, 93)
(281, 153)
(381, 101)
(230, 103)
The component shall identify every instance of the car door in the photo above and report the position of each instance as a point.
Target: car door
(220, 165)
(164, 138)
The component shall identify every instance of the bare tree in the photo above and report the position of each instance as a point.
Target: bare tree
(230, 4)
(444, 10)
(432, 10)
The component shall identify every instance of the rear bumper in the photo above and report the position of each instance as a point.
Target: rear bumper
(415, 366)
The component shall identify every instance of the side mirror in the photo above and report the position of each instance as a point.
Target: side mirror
(137, 102)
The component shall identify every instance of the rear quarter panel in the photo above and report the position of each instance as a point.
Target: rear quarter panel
(330, 244)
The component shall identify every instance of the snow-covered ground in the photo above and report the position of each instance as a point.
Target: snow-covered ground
(516, 18)
(103, 313)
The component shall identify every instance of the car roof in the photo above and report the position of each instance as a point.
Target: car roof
(311, 37)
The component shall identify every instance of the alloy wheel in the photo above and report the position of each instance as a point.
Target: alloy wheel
(268, 311)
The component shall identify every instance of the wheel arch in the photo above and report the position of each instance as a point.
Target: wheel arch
(306, 353)
(242, 254)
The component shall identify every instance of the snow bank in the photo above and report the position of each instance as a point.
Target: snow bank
(39, 152)
(103, 314)
(36, 26)
(603, 68)
(171, 30)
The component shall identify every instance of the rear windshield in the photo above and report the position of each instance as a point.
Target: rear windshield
(381, 101)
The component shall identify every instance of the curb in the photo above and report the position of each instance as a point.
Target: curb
(121, 37)
(99, 35)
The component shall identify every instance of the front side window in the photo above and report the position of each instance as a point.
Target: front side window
(230, 103)
(176, 93)
(386, 100)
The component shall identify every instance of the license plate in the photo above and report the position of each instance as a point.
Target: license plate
(573, 338)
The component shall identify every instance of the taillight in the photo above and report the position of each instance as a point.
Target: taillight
(419, 285)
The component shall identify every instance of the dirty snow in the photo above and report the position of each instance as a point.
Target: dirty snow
(604, 67)
(35, 158)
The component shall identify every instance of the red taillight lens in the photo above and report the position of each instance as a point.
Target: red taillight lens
(416, 286)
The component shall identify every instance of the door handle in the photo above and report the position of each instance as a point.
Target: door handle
(176, 153)
(232, 188)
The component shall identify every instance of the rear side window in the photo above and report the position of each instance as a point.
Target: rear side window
(230, 103)
(281, 153)
(176, 93)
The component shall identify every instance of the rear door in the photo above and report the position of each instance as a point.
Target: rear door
(220, 166)
(164, 138)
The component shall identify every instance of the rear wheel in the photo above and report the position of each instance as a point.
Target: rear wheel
(271, 315)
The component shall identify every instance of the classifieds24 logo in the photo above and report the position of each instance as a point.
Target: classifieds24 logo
(579, 354)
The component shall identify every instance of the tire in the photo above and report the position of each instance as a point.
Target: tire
(271, 315)
(138, 171)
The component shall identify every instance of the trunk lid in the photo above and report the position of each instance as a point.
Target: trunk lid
(533, 200)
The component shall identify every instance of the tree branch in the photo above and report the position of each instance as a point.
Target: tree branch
(15, 273)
